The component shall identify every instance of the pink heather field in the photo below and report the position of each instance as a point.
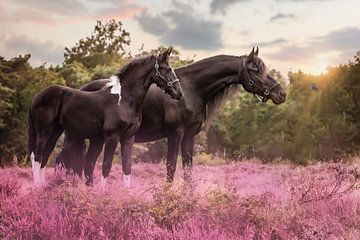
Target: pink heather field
(242, 200)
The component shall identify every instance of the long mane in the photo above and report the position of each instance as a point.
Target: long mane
(123, 71)
(211, 107)
(214, 104)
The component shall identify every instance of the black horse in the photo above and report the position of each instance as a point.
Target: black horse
(107, 116)
(205, 84)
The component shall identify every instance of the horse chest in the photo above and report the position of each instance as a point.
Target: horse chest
(192, 115)
(192, 118)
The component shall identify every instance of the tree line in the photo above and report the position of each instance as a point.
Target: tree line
(319, 119)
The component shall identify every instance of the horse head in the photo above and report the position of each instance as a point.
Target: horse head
(256, 79)
(165, 77)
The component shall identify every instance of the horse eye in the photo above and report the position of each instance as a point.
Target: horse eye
(255, 70)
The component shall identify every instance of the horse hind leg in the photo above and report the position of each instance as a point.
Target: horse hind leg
(50, 145)
(126, 152)
(36, 159)
(42, 137)
(77, 155)
(35, 170)
(72, 155)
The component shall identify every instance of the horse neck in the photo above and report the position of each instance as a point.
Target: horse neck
(214, 76)
(135, 85)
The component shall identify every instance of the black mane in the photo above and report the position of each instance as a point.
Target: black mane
(212, 106)
(133, 64)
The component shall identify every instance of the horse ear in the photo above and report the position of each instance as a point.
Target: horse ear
(257, 51)
(170, 49)
(165, 56)
(250, 57)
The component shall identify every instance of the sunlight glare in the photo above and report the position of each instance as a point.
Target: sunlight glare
(320, 68)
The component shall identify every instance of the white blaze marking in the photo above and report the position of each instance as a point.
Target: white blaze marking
(127, 181)
(42, 176)
(35, 169)
(116, 86)
(103, 182)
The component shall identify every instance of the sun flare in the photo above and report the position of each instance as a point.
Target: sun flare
(320, 68)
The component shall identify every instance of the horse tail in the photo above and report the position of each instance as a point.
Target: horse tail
(31, 133)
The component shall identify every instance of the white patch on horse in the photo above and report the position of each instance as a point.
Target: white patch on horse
(42, 176)
(116, 86)
(127, 181)
(35, 169)
(103, 182)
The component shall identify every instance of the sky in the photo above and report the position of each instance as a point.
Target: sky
(307, 35)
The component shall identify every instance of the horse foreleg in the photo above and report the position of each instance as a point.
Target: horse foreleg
(77, 156)
(110, 146)
(187, 152)
(126, 153)
(174, 140)
(94, 151)
(72, 155)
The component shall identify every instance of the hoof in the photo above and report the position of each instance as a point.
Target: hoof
(127, 181)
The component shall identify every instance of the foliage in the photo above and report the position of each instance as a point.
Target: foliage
(104, 47)
(241, 200)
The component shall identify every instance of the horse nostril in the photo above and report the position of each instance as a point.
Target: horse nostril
(283, 94)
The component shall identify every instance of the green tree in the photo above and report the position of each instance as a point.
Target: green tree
(104, 47)
(75, 74)
(19, 82)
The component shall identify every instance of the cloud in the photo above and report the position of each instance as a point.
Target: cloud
(294, 53)
(346, 38)
(41, 11)
(117, 9)
(121, 12)
(281, 16)
(273, 42)
(60, 7)
(155, 25)
(40, 51)
(64, 11)
(304, 0)
(181, 27)
(221, 5)
(343, 41)
(182, 6)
